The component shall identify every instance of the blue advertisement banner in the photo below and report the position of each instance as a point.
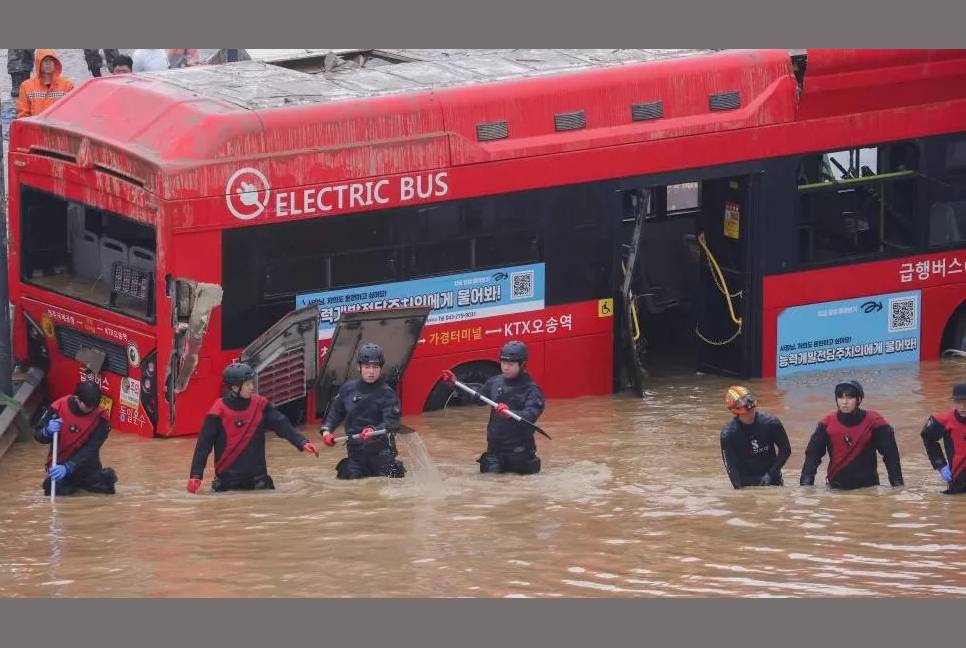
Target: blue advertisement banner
(465, 296)
(880, 329)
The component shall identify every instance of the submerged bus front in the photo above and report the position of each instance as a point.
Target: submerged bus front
(84, 272)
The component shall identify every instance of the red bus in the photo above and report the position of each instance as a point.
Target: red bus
(620, 211)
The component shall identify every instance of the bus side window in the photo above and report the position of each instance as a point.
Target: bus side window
(947, 211)
(684, 197)
(857, 203)
(512, 249)
(364, 267)
(947, 223)
(424, 260)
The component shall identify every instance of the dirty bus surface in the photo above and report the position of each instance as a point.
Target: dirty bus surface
(574, 199)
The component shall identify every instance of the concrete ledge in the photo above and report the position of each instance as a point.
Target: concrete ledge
(8, 418)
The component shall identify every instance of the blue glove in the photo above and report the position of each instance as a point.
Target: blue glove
(58, 471)
(945, 473)
(53, 427)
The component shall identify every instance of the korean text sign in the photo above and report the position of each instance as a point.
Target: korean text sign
(464, 296)
(879, 329)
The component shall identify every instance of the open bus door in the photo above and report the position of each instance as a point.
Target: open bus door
(286, 358)
(723, 235)
(396, 331)
(636, 207)
(684, 264)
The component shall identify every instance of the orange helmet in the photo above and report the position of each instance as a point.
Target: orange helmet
(740, 400)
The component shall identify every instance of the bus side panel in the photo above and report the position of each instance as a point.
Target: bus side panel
(192, 404)
(564, 368)
(580, 366)
(126, 396)
(579, 333)
(938, 305)
(942, 292)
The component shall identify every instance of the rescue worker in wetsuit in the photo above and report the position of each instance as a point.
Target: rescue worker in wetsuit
(366, 404)
(754, 445)
(851, 436)
(81, 426)
(235, 427)
(950, 428)
(510, 447)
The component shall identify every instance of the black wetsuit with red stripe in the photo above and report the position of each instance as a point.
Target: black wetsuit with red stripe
(851, 441)
(80, 440)
(950, 428)
(247, 471)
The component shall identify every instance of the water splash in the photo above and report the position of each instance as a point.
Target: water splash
(421, 472)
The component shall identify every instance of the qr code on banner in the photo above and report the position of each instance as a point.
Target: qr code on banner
(902, 314)
(521, 284)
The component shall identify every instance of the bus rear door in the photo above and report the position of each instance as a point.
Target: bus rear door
(286, 361)
(397, 331)
(724, 235)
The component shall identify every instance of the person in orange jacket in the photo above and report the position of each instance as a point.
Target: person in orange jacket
(45, 87)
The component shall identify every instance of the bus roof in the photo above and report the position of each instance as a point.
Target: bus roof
(368, 113)
(256, 85)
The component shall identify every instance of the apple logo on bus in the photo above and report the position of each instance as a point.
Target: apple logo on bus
(247, 193)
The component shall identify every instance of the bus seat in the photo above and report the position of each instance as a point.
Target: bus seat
(75, 221)
(112, 251)
(141, 258)
(86, 254)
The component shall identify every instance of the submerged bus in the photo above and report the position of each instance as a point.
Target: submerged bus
(624, 212)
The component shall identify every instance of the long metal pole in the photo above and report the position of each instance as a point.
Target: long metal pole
(53, 462)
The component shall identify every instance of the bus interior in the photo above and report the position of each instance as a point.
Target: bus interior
(88, 254)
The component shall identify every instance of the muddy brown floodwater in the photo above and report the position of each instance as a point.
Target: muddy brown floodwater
(633, 501)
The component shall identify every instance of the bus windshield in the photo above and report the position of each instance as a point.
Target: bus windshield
(86, 253)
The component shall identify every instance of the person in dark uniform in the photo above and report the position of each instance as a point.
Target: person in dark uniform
(754, 445)
(81, 426)
(851, 436)
(20, 64)
(510, 447)
(950, 428)
(95, 62)
(235, 427)
(366, 404)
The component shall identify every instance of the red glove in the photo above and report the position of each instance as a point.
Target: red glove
(310, 447)
(366, 433)
(328, 438)
(449, 378)
(193, 485)
(502, 410)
